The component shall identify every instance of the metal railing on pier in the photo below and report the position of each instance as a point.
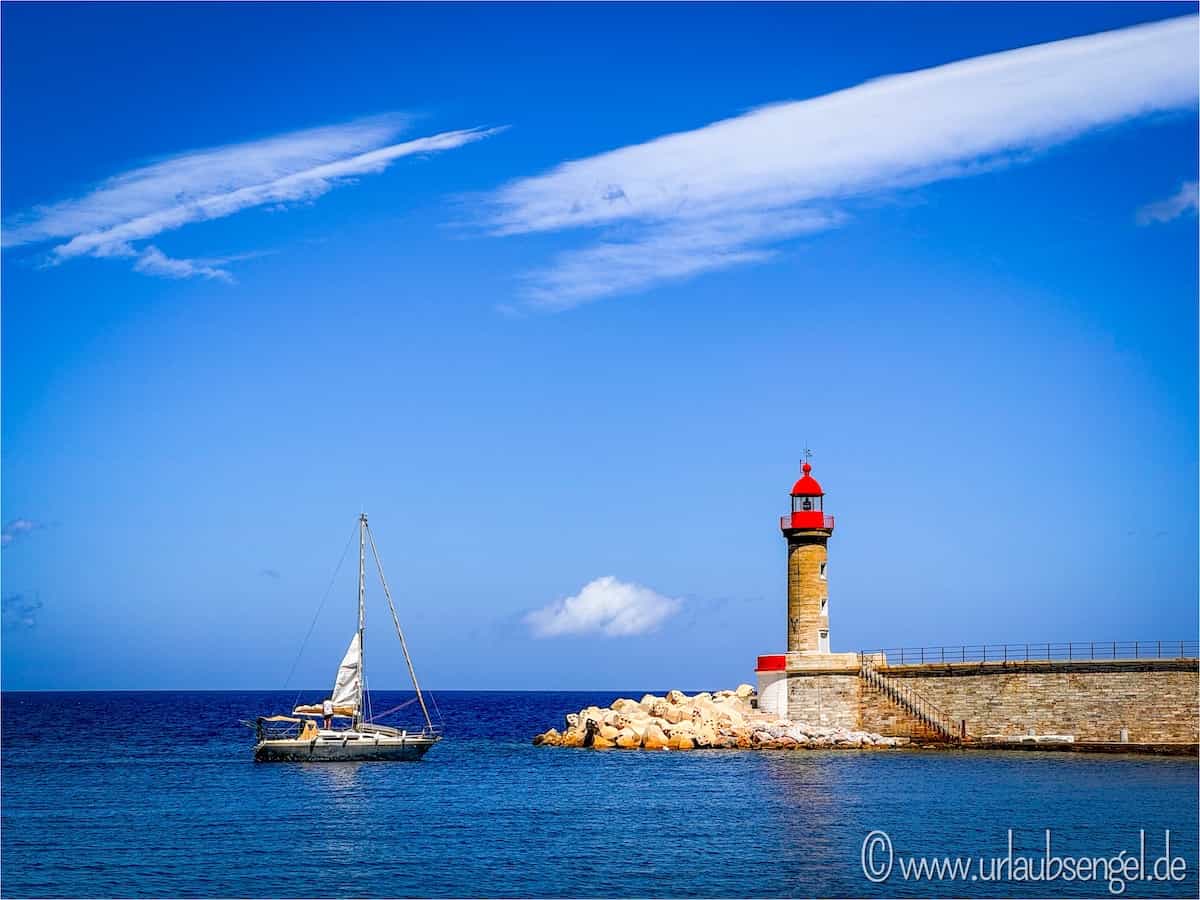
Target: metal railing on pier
(1045, 651)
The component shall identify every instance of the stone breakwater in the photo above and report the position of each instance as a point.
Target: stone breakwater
(725, 720)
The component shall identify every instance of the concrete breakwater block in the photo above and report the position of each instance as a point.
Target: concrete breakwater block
(724, 720)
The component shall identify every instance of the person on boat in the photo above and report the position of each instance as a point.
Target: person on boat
(327, 712)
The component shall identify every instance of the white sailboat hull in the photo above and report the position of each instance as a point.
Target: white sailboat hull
(345, 747)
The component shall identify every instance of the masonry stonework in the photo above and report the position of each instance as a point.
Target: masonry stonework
(831, 699)
(1155, 700)
(879, 714)
(808, 590)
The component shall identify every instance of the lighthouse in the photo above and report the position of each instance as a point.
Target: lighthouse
(807, 530)
(789, 683)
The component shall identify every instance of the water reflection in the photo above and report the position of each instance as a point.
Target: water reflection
(337, 784)
(811, 800)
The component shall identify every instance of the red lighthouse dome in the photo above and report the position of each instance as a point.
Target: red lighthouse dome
(808, 502)
(807, 486)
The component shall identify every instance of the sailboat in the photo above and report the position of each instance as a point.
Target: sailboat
(338, 729)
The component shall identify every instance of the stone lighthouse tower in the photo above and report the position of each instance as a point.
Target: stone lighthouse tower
(808, 682)
(807, 530)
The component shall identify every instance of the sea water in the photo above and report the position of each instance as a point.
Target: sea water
(157, 794)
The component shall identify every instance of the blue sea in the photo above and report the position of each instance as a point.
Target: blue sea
(156, 794)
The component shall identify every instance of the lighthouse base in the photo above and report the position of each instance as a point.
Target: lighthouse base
(820, 688)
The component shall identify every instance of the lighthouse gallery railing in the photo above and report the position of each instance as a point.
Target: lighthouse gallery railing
(785, 522)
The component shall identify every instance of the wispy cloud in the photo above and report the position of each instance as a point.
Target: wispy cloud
(1182, 203)
(726, 193)
(18, 612)
(113, 219)
(153, 261)
(668, 250)
(17, 529)
(605, 606)
(270, 573)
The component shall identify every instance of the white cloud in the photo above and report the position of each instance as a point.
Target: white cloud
(19, 611)
(667, 250)
(154, 262)
(723, 194)
(1182, 203)
(604, 606)
(17, 529)
(212, 184)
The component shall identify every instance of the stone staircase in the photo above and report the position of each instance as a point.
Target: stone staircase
(918, 707)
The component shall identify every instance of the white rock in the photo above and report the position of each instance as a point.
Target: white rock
(675, 714)
(654, 738)
(628, 739)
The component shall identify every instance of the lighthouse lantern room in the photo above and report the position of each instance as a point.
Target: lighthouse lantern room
(808, 501)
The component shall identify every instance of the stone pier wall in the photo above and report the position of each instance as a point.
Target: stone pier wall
(1155, 700)
(824, 689)
(830, 699)
(1158, 701)
(878, 713)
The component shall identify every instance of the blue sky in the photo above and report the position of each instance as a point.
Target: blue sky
(558, 294)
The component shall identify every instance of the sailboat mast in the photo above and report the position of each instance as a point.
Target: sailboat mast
(362, 592)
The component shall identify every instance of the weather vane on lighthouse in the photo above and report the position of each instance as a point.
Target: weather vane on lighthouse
(807, 452)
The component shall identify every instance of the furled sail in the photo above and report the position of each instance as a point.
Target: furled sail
(318, 709)
(347, 686)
